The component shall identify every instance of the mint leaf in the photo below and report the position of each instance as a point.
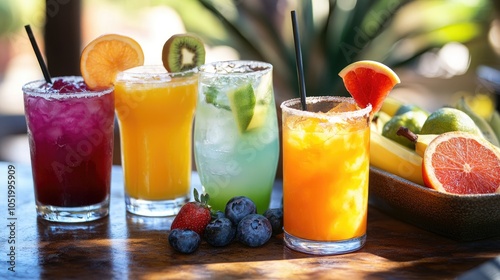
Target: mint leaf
(211, 98)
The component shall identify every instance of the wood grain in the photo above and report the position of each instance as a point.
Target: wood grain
(125, 246)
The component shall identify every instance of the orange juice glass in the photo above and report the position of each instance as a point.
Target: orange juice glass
(325, 174)
(155, 112)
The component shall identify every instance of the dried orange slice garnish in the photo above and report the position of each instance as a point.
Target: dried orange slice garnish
(104, 57)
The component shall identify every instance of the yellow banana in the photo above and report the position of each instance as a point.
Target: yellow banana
(395, 158)
(481, 123)
(422, 142)
(390, 106)
(379, 121)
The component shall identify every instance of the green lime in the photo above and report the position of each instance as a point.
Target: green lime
(413, 120)
(449, 119)
(242, 103)
(410, 108)
(259, 115)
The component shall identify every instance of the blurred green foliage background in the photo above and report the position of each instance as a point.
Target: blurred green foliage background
(333, 33)
(411, 36)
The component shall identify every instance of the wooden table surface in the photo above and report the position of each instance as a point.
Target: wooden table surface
(125, 246)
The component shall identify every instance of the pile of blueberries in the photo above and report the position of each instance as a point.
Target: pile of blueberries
(239, 221)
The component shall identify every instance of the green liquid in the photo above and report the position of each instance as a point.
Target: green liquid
(231, 163)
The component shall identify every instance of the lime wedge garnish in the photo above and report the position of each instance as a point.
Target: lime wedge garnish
(259, 116)
(263, 96)
(242, 103)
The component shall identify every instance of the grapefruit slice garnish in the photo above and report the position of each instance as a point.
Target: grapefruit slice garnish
(461, 163)
(106, 56)
(369, 82)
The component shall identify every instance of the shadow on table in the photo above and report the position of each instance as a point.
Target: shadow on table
(423, 252)
(430, 269)
(144, 233)
(74, 250)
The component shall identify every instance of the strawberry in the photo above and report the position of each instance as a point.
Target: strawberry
(194, 215)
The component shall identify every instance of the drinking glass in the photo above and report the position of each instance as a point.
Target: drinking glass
(325, 174)
(71, 144)
(155, 114)
(236, 132)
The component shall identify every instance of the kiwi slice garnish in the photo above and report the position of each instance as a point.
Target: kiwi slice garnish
(182, 52)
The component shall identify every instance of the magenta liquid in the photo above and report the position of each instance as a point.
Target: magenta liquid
(70, 131)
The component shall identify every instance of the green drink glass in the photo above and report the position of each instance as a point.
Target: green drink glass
(236, 132)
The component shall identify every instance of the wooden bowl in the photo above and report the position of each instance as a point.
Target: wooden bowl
(459, 217)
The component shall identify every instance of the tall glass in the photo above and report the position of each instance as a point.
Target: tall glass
(325, 174)
(236, 132)
(155, 114)
(71, 142)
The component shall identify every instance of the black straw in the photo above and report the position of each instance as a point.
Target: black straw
(298, 57)
(45, 70)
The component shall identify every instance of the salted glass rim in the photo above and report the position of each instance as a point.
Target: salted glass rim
(286, 106)
(216, 68)
(33, 89)
(152, 74)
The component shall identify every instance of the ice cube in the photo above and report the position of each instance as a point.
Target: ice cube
(94, 107)
(343, 107)
(54, 133)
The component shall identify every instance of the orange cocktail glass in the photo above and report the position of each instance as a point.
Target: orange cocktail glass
(155, 112)
(325, 174)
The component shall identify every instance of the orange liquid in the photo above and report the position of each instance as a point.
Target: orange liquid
(325, 180)
(155, 122)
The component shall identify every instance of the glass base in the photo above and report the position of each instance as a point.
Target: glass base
(324, 247)
(155, 208)
(73, 214)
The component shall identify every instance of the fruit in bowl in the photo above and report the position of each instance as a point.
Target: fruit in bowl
(413, 120)
(463, 162)
(397, 186)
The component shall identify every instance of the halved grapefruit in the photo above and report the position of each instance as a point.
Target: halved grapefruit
(369, 82)
(461, 163)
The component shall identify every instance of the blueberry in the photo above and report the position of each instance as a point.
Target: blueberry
(220, 232)
(217, 215)
(238, 207)
(275, 217)
(254, 230)
(184, 240)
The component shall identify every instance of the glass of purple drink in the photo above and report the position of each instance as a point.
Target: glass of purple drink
(70, 131)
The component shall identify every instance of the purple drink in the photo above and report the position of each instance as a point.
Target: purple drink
(70, 130)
